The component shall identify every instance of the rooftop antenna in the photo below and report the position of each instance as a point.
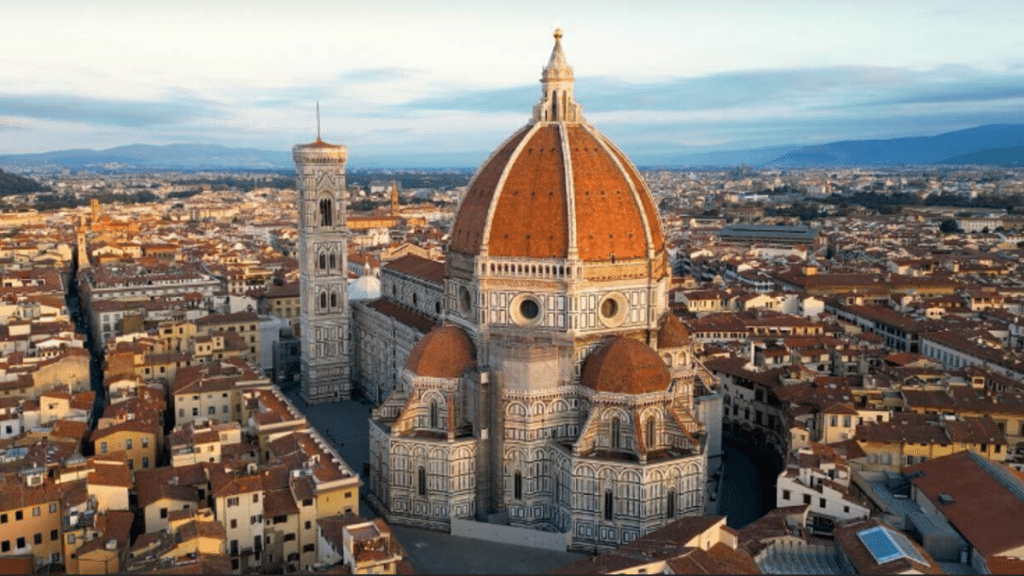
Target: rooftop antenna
(317, 119)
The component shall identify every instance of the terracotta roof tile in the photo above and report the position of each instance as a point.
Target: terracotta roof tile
(446, 352)
(1005, 565)
(111, 475)
(531, 218)
(608, 220)
(424, 268)
(673, 334)
(468, 230)
(653, 219)
(404, 315)
(279, 502)
(988, 513)
(864, 563)
(624, 366)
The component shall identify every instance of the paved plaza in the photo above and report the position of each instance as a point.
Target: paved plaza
(439, 553)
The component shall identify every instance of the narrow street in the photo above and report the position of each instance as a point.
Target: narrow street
(81, 320)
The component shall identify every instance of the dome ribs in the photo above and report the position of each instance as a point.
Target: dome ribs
(531, 217)
(467, 233)
(653, 219)
(608, 221)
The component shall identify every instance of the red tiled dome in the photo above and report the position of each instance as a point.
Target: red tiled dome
(523, 192)
(555, 184)
(445, 352)
(625, 366)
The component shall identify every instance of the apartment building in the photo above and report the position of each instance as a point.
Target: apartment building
(283, 301)
(198, 442)
(818, 477)
(30, 516)
(908, 439)
(245, 324)
(214, 391)
(140, 439)
(238, 504)
(162, 491)
(364, 547)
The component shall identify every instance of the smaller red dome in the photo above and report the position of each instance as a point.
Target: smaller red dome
(625, 366)
(673, 333)
(445, 352)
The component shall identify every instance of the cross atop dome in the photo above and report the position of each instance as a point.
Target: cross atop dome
(557, 103)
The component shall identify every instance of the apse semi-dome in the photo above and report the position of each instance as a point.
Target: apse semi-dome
(445, 352)
(625, 366)
(558, 188)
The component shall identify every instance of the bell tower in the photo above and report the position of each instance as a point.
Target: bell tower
(323, 255)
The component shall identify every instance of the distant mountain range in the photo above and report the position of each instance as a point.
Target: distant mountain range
(145, 156)
(991, 144)
(974, 145)
(751, 157)
(1005, 156)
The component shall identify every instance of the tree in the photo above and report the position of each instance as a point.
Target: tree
(949, 226)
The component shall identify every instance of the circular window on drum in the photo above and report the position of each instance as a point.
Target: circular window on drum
(526, 310)
(613, 309)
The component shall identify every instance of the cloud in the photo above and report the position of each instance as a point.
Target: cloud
(376, 75)
(106, 112)
(961, 94)
(402, 112)
(601, 94)
(831, 88)
(362, 87)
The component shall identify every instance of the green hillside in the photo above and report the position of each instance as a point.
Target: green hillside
(12, 184)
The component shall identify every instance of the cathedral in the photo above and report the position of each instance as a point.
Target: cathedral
(555, 390)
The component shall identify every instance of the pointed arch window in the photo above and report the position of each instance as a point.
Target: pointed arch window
(334, 300)
(651, 430)
(421, 484)
(323, 299)
(616, 439)
(518, 485)
(323, 262)
(325, 212)
(434, 415)
(609, 503)
(670, 504)
(334, 262)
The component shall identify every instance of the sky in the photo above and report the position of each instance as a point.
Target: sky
(412, 80)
